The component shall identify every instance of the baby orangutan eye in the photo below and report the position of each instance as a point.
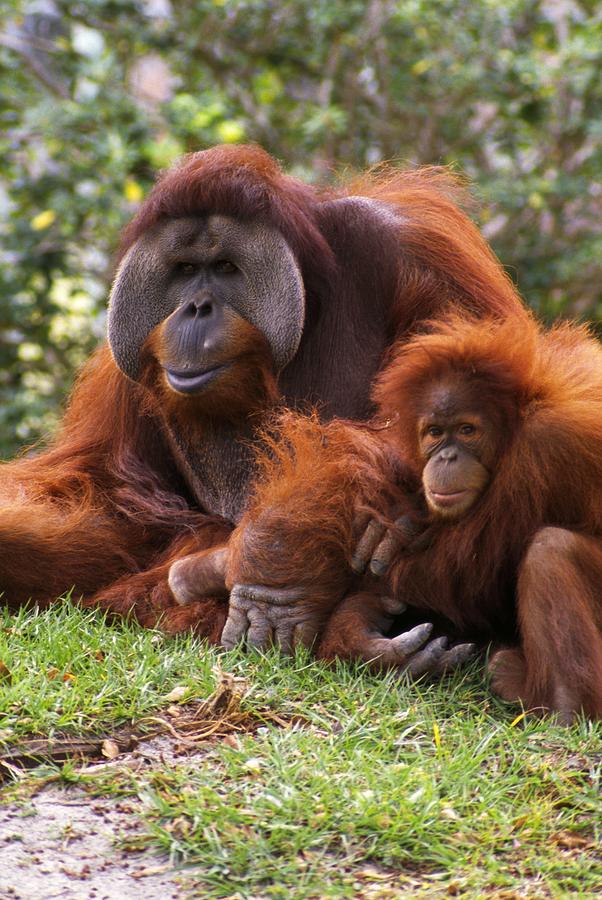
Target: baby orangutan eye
(434, 431)
(467, 429)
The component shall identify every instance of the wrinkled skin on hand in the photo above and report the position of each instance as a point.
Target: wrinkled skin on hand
(353, 627)
(258, 615)
(357, 631)
(263, 616)
(379, 544)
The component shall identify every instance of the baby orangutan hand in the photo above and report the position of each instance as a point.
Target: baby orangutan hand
(379, 544)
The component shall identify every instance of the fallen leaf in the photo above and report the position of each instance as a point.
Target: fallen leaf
(371, 873)
(52, 673)
(449, 812)
(69, 676)
(151, 870)
(177, 694)
(568, 840)
(5, 672)
(82, 873)
(110, 748)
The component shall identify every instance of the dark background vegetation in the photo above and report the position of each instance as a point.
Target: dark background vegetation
(97, 95)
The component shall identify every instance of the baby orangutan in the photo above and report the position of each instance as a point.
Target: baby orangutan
(505, 425)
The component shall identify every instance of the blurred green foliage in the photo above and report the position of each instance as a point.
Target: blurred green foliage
(96, 95)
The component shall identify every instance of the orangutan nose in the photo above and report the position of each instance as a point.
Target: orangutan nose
(449, 454)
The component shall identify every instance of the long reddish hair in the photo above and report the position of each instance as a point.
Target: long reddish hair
(546, 387)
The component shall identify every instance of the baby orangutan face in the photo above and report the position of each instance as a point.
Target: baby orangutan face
(457, 443)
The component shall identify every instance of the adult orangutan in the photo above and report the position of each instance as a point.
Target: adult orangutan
(495, 443)
(237, 287)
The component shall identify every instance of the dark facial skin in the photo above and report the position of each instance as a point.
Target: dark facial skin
(457, 443)
(212, 299)
(195, 337)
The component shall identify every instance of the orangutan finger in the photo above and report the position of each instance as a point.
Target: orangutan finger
(393, 605)
(180, 583)
(406, 529)
(379, 653)
(259, 634)
(284, 637)
(384, 554)
(411, 641)
(361, 520)
(235, 628)
(456, 657)
(199, 575)
(366, 546)
(427, 660)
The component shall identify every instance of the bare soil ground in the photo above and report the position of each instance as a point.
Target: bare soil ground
(64, 844)
(63, 847)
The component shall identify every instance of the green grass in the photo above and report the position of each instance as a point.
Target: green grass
(380, 788)
(70, 670)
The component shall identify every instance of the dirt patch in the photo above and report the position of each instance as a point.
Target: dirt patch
(62, 845)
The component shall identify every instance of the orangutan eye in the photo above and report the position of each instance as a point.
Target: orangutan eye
(467, 429)
(186, 268)
(434, 431)
(224, 266)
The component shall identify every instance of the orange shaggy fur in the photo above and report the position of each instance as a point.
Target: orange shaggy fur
(106, 509)
(524, 566)
(304, 487)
